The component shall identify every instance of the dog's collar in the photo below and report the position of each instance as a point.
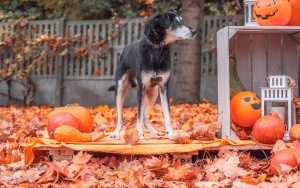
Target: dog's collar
(155, 45)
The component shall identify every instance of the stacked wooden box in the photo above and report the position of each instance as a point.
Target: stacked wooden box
(260, 51)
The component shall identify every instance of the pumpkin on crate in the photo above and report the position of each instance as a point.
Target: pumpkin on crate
(81, 113)
(295, 17)
(272, 12)
(245, 108)
(268, 129)
(295, 132)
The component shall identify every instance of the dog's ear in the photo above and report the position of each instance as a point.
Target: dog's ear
(173, 11)
(163, 21)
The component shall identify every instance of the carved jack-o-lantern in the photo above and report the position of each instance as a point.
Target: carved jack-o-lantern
(272, 12)
(245, 108)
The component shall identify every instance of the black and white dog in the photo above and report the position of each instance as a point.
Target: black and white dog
(146, 64)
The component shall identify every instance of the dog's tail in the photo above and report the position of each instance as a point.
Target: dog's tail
(112, 88)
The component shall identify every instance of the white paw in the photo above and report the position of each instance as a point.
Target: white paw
(114, 135)
(170, 132)
(160, 134)
(142, 137)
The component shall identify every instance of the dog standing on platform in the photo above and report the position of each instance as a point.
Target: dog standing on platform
(145, 64)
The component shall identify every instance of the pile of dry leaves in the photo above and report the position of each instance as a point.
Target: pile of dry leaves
(226, 169)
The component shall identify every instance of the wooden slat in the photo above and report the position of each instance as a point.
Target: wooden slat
(259, 62)
(290, 62)
(223, 81)
(274, 54)
(243, 58)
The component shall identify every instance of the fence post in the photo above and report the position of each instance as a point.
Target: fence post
(59, 65)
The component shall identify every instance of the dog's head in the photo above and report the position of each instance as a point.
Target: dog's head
(165, 28)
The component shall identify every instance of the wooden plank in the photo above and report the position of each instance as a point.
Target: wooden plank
(274, 54)
(63, 152)
(60, 158)
(150, 148)
(185, 157)
(290, 62)
(243, 58)
(59, 65)
(223, 81)
(259, 62)
(207, 30)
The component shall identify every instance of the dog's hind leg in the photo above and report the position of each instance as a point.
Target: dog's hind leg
(122, 88)
(151, 96)
(163, 92)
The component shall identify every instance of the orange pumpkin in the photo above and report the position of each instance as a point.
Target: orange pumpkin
(285, 156)
(272, 12)
(295, 17)
(295, 132)
(81, 113)
(268, 129)
(245, 108)
(59, 119)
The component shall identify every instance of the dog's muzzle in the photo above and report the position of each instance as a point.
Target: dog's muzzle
(193, 32)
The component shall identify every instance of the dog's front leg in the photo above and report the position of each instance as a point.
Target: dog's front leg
(122, 89)
(119, 101)
(140, 113)
(150, 99)
(163, 92)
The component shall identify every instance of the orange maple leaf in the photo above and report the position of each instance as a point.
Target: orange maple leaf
(206, 132)
(181, 138)
(81, 158)
(153, 163)
(131, 136)
(254, 181)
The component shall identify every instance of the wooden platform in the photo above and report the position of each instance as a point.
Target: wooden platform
(149, 146)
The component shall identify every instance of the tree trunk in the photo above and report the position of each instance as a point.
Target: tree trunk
(189, 68)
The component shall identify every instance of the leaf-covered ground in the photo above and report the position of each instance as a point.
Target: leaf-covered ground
(224, 169)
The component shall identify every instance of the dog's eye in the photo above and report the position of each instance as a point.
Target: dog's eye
(175, 21)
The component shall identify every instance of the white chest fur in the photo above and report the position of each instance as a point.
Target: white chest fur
(151, 78)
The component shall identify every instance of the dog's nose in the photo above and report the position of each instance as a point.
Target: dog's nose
(193, 31)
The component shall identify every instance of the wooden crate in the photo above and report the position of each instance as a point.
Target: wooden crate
(45, 147)
(260, 51)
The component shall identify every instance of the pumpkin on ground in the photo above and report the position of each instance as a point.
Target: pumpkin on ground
(268, 129)
(66, 133)
(81, 113)
(272, 12)
(245, 108)
(295, 17)
(61, 118)
(286, 157)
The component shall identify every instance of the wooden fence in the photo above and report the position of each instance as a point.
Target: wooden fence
(67, 78)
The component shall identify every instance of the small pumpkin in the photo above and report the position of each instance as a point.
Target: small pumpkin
(295, 132)
(285, 156)
(272, 12)
(295, 17)
(245, 108)
(66, 133)
(81, 113)
(268, 129)
(61, 118)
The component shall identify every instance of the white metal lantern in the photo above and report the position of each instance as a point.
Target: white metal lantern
(248, 13)
(280, 91)
(279, 81)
